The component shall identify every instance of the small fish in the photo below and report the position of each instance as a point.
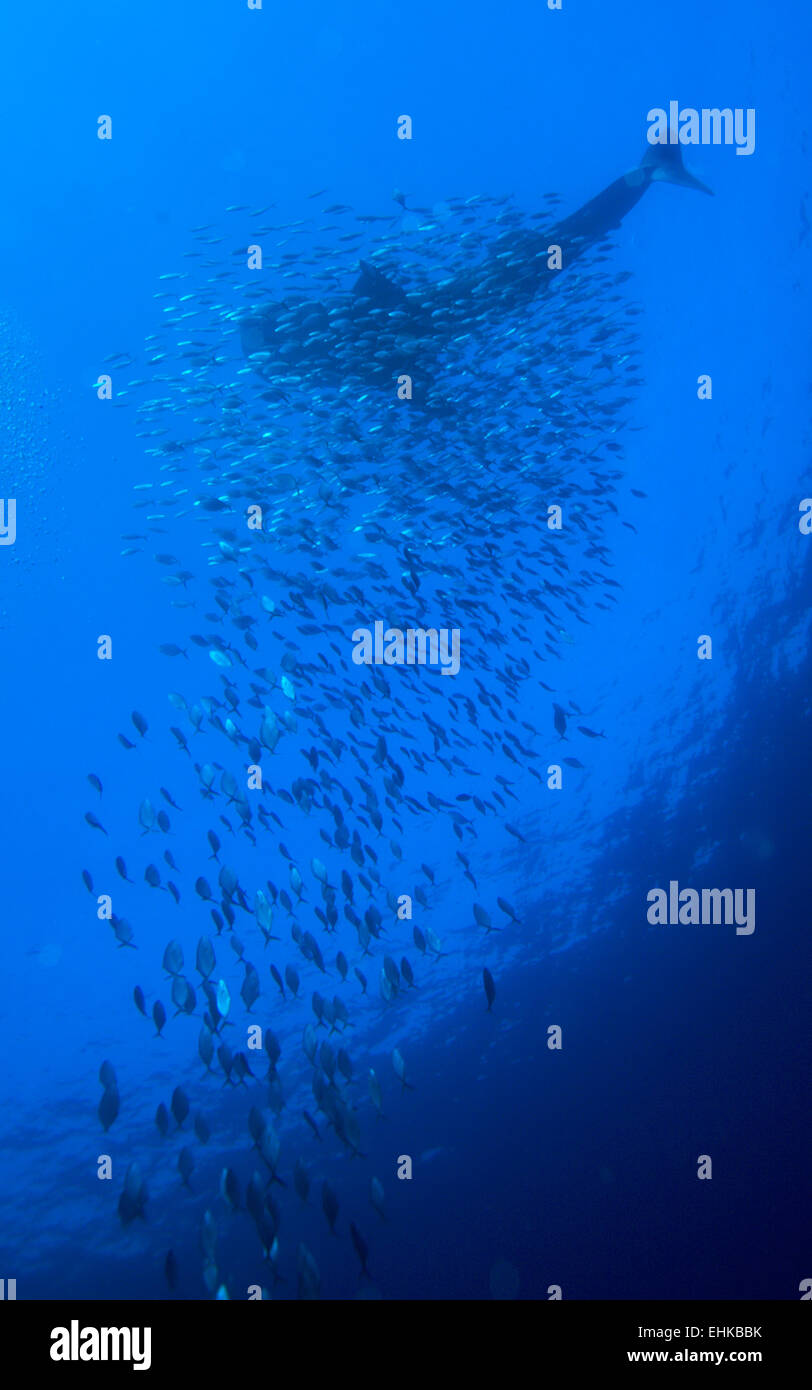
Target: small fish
(329, 1203)
(360, 1247)
(376, 1197)
(400, 1069)
(181, 739)
(312, 1123)
(179, 1105)
(250, 990)
(133, 1198)
(230, 1188)
(272, 1047)
(490, 987)
(173, 958)
(434, 943)
(183, 996)
(223, 998)
(204, 958)
(109, 1104)
(483, 918)
(94, 822)
(123, 933)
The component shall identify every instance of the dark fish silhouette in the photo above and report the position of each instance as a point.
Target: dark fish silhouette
(560, 720)
(360, 1246)
(179, 1106)
(299, 334)
(490, 987)
(109, 1105)
(329, 1203)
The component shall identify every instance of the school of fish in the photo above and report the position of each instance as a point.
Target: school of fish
(315, 813)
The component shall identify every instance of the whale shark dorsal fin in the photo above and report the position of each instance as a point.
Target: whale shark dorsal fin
(663, 163)
(374, 285)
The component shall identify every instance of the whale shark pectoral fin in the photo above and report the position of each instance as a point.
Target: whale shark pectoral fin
(664, 164)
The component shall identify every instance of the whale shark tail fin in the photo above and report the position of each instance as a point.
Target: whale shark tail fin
(664, 164)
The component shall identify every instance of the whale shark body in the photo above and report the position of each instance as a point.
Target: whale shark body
(380, 333)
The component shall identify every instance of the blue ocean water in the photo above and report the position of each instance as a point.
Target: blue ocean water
(534, 1169)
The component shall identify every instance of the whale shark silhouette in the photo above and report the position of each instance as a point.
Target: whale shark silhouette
(380, 331)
